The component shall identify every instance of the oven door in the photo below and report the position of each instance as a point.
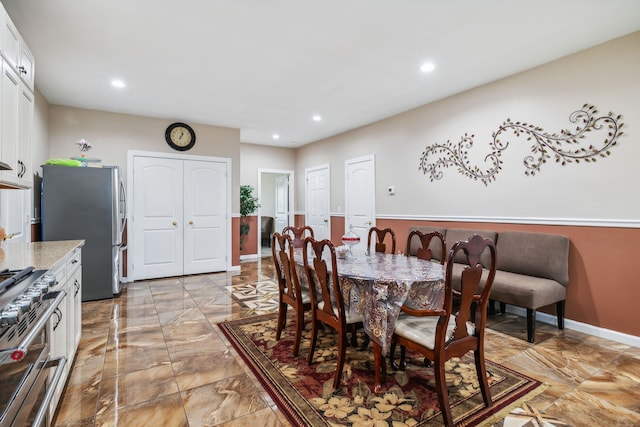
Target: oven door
(25, 389)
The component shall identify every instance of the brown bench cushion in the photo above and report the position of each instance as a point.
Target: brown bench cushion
(526, 291)
(534, 254)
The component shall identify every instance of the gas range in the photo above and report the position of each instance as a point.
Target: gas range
(23, 295)
(28, 304)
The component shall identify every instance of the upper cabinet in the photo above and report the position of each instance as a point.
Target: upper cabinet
(16, 115)
(15, 51)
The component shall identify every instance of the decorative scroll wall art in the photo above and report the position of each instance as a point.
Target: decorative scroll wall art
(566, 147)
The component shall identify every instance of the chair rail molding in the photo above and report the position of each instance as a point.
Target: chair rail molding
(566, 147)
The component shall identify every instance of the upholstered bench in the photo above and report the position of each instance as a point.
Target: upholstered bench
(532, 269)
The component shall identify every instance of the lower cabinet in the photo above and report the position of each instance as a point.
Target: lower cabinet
(65, 327)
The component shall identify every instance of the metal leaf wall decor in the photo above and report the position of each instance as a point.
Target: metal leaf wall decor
(565, 147)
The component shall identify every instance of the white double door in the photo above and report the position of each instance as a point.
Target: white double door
(179, 217)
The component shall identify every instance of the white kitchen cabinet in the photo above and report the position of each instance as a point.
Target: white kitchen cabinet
(64, 328)
(16, 51)
(9, 123)
(16, 118)
(10, 46)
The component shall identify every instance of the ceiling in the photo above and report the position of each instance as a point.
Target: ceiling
(267, 67)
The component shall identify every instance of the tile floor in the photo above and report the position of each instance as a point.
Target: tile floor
(155, 357)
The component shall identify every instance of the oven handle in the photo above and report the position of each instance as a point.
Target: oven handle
(21, 350)
(51, 389)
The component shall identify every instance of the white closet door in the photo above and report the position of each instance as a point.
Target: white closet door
(204, 216)
(282, 202)
(360, 202)
(317, 186)
(158, 217)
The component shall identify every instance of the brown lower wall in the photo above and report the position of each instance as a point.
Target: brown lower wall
(603, 290)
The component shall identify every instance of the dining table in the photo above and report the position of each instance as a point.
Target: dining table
(376, 285)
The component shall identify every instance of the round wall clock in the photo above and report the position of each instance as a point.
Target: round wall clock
(180, 136)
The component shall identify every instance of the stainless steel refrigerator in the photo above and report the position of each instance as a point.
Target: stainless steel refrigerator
(87, 203)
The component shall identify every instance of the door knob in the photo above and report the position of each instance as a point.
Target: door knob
(190, 222)
(174, 223)
(326, 220)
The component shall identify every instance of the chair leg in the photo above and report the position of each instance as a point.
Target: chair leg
(531, 325)
(282, 320)
(299, 327)
(314, 337)
(443, 394)
(481, 371)
(560, 314)
(354, 335)
(342, 349)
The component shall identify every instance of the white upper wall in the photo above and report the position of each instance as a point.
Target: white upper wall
(605, 76)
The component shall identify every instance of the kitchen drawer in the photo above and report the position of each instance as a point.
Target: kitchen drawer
(60, 272)
(73, 261)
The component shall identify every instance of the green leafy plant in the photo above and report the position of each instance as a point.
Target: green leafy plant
(248, 205)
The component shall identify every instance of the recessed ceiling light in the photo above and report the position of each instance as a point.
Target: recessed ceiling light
(275, 136)
(317, 118)
(117, 83)
(427, 67)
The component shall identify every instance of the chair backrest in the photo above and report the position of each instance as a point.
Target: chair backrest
(298, 234)
(284, 260)
(381, 234)
(424, 251)
(475, 288)
(276, 239)
(324, 285)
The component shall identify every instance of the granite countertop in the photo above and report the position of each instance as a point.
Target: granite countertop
(41, 255)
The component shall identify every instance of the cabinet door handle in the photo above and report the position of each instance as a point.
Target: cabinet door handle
(190, 222)
(174, 223)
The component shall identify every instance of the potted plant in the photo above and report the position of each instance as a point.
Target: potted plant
(248, 205)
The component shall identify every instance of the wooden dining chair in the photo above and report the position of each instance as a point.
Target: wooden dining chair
(290, 292)
(442, 334)
(424, 251)
(298, 234)
(381, 234)
(327, 301)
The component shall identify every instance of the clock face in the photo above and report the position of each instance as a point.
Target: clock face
(180, 136)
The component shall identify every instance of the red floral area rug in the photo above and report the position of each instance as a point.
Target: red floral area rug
(305, 393)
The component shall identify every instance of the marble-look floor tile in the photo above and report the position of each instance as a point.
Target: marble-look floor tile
(187, 330)
(201, 369)
(197, 345)
(180, 316)
(264, 418)
(136, 387)
(175, 304)
(124, 360)
(164, 411)
(78, 402)
(222, 401)
(583, 409)
(138, 337)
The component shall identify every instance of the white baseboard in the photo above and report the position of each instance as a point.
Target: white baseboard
(579, 326)
(233, 268)
(248, 257)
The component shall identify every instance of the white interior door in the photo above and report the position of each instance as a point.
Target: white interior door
(204, 216)
(157, 217)
(282, 202)
(317, 197)
(360, 202)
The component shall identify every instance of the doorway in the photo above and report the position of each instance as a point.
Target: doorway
(180, 216)
(275, 195)
(360, 201)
